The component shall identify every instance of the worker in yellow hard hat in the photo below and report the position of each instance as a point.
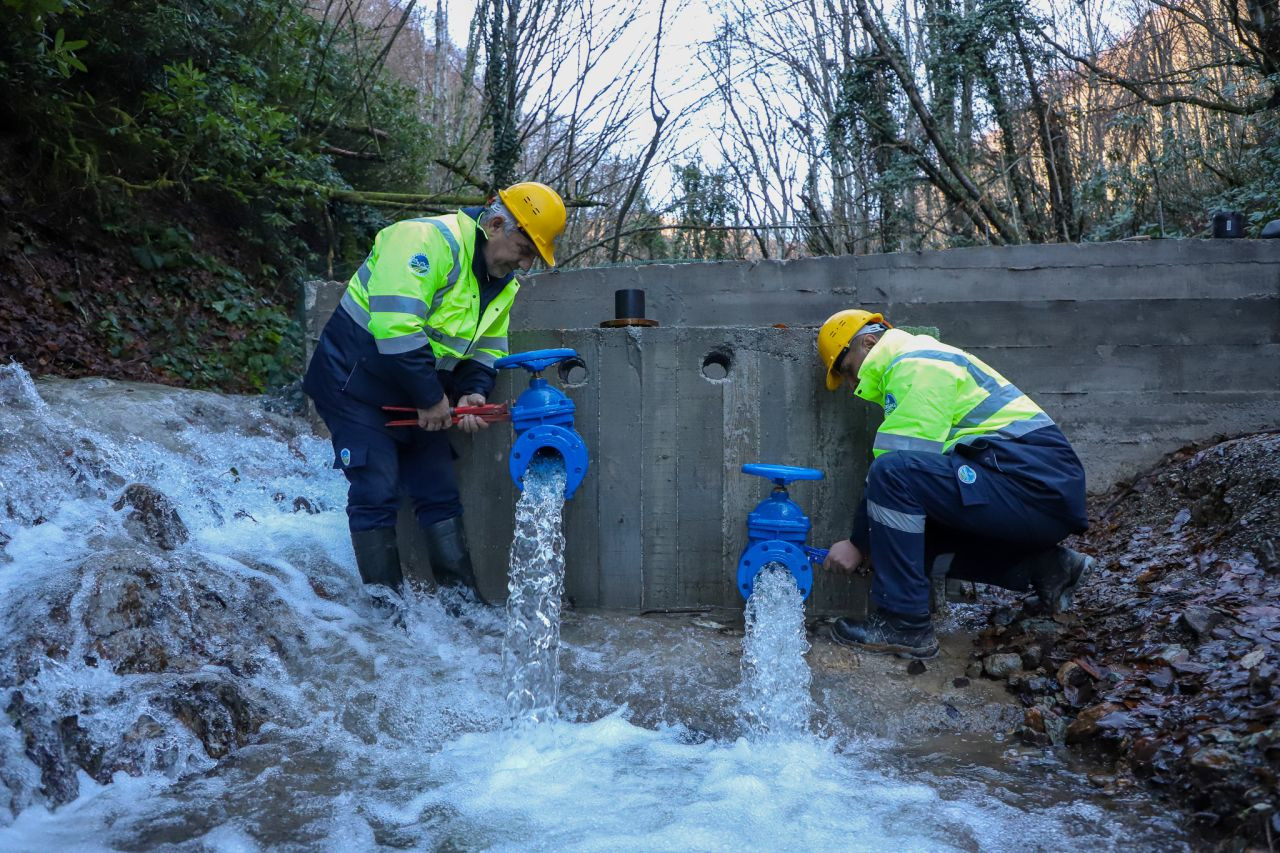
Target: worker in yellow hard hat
(970, 478)
(421, 324)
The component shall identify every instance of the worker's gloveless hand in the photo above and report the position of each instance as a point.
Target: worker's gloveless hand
(471, 423)
(437, 417)
(844, 557)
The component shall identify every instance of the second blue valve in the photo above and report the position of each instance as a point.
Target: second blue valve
(776, 532)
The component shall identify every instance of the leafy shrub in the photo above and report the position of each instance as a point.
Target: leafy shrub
(223, 111)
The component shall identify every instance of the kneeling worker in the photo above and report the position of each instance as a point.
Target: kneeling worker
(969, 477)
(421, 324)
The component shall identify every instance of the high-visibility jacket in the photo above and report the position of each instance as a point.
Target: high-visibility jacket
(936, 396)
(939, 399)
(417, 288)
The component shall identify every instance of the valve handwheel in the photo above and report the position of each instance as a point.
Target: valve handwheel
(782, 474)
(536, 360)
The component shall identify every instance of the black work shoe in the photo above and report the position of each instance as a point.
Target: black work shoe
(885, 633)
(1056, 576)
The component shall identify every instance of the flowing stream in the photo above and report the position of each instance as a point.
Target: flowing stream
(194, 666)
(531, 649)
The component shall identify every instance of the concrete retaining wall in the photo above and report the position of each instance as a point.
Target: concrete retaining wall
(1135, 348)
(661, 518)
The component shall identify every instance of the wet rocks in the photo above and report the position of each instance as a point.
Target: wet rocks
(218, 712)
(1001, 665)
(140, 614)
(153, 517)
(1211, 761)
(1089, 722)
(1034, 720)
(1169, 668)
(1200, 620)
(170, 644)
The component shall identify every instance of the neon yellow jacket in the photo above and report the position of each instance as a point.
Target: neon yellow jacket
(417, 288)
(936, 396)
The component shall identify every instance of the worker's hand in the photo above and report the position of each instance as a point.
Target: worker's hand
(844, 557)
(471, 423)
(437, 417)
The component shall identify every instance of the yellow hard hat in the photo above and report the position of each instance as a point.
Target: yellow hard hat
(835, 336)
(540, 212)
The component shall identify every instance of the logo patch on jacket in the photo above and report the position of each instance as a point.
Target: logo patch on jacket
(890, 403)
(967, 475)
(419, 265)
(345, 455)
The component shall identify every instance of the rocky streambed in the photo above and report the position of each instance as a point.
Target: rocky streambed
(1168, 671)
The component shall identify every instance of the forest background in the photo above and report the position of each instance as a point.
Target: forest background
(172, 170)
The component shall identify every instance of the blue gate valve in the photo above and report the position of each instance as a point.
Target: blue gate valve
(543, 420)
(776, 530)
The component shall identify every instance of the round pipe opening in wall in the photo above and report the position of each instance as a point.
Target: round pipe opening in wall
(573, 372)
(716, 364)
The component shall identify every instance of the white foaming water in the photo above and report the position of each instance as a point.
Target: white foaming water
(371, 736)
(775, 675)
(531, 650)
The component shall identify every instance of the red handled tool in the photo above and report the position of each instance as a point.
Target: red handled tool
(489, 413)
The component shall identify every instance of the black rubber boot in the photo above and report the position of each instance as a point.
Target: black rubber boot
(450, 557)
(1056, 574)
(378, 557)
(904, 636)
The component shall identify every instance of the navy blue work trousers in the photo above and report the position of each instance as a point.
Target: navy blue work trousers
(927, 507)
(383, 464)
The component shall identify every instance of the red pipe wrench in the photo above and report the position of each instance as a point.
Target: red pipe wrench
(489, 413)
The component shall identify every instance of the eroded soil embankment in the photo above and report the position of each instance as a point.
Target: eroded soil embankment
(1169, 667)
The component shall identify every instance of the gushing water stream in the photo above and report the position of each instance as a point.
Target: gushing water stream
(775, 675)
(228, 686)
(530, 652)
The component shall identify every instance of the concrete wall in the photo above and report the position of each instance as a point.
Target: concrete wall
(1135, 348)
(661, 518)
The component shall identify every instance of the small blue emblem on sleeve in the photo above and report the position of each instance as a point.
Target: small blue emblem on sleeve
(967, 475)
(890, 403)
(419, 265)
(345, 455)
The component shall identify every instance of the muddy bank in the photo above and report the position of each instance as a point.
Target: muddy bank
(1167, 670)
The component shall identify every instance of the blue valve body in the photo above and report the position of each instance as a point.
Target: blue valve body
(776, 531)
(542, 417)
(778, 517)
(541, 404)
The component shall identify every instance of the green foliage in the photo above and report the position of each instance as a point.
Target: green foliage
(1258, 197)
(864, 122)
(649, 244)
(37, 49)
(1153, 183)
(35, 10)
(228, 109)
(707, 198)
(203, 320)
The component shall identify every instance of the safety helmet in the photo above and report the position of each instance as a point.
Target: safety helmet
(539, 210)
(837, 334)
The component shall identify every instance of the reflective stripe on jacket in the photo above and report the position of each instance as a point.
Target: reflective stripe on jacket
(936, 396)
(418, 288)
